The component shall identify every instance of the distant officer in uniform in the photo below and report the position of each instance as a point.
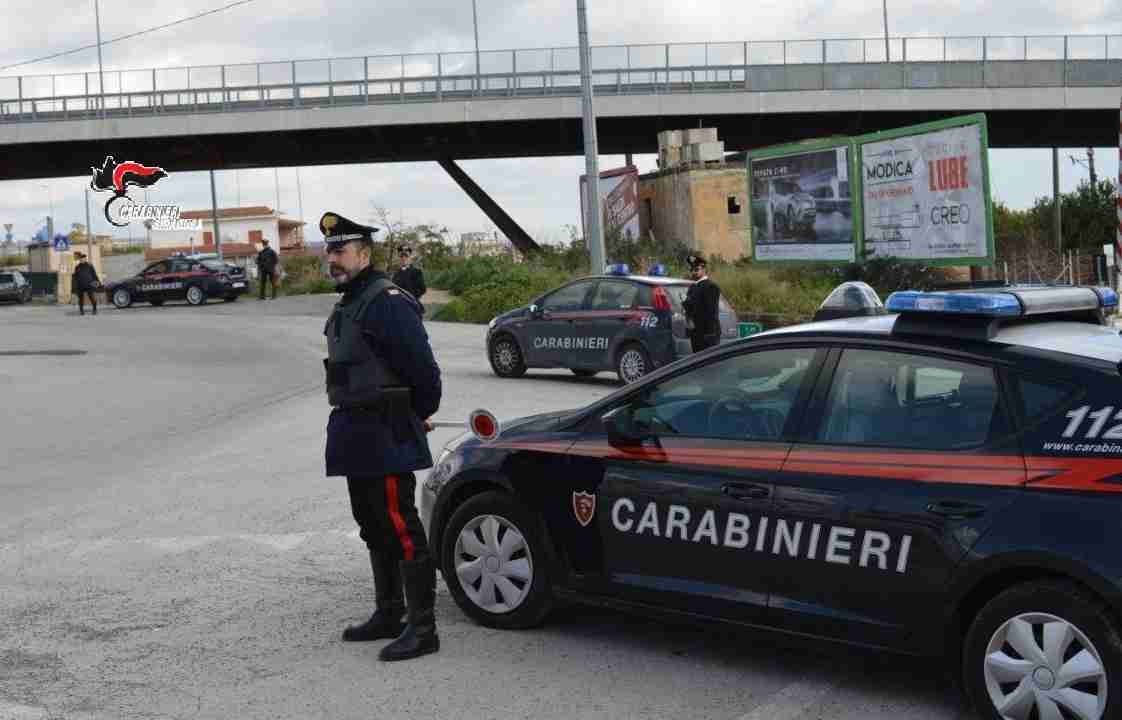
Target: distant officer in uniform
(267, 269)
(85, 282)
(409, 278)
(383, 384)
(702, 306)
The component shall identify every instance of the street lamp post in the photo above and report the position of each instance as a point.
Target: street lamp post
(100, 72)
(887, 56)
(475, 24)
(591, 163)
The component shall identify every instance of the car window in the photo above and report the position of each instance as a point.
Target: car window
(615, 295)
(745, 397)
(178, 266)
(567, 298)
(1041, 398)
(7, 278)
(911, 401)
(160, 267)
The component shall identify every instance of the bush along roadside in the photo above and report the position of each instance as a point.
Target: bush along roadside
(303, 275)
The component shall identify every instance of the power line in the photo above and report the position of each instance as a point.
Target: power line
(129, 36)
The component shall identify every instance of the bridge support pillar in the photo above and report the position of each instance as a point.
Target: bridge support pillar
(490, 208)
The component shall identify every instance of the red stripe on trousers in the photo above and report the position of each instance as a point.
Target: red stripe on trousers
(395, 516)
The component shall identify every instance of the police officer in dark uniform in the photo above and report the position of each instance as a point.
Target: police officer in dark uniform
(702, 306)
(383, 384)
(408, 277)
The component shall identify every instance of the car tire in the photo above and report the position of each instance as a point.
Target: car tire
(196, 295)
(1058, 627)
(632, 363)
(122, 298)
(156, 302)
(521, 579)
(584, 373)
(506, 357)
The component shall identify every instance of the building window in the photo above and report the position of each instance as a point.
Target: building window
(734, 205)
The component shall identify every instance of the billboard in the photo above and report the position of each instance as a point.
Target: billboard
(803, 205)
(926, 193)
(619, 201)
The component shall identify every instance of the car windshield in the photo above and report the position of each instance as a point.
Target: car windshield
(215, 265)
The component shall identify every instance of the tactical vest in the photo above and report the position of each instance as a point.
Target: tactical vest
(356, 377)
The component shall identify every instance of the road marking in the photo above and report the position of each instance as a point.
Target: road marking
(790, 702)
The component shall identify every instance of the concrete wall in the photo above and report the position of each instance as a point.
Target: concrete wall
(692, 207)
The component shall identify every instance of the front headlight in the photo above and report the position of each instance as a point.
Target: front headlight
(491, 325)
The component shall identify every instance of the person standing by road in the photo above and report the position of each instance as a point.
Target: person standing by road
(85, 283)
(409, 278)
(702, 306)
(382, 379)
(267, 269)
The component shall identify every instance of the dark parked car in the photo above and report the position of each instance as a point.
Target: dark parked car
(944, 480)
(14, 287)
(180, 278)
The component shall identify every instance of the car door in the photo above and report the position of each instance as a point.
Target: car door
(549, 330)
(611, 308)
(903, 463)
(682, 498)
(179, 277)
(152, 280)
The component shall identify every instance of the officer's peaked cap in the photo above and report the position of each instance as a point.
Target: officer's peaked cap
(695, 261)
(338, 230)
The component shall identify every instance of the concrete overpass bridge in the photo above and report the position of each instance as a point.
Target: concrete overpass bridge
(1036, 92)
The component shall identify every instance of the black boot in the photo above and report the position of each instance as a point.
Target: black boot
(386, 622)
(419, 637)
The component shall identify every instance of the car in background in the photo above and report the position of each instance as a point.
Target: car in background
(793, 208)
(180, 278)
(14, 287)
(630, 324)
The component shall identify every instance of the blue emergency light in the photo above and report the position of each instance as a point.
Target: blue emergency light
(658, 271)
(619, 269)
(1006, 302)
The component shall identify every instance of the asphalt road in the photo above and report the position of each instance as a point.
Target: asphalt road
(170, 548)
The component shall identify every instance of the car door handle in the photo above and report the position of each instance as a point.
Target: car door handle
(746, 491)
(955, 509)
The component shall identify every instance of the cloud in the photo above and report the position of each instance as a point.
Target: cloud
(541, 193)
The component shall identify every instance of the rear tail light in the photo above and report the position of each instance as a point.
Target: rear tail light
(661, 299)
(484, 425)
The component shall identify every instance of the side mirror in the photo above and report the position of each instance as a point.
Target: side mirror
(620, 429)
(536, 311)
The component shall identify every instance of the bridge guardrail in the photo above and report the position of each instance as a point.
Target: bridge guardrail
(793, 65)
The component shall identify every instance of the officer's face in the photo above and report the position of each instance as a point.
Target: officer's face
(347, 261)
(697, 271)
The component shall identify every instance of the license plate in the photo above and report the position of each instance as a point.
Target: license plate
(239, 284)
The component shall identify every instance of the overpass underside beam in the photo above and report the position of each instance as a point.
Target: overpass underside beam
(505, 223)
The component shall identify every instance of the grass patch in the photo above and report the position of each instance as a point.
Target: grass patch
(303, 275)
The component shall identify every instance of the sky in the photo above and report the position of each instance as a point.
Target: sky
(540, 193)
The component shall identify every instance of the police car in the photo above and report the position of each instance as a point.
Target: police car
(942, 479)
(180, 278)
(631, 324)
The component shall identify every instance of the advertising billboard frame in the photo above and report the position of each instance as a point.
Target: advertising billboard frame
(978, 119)
(806, 147)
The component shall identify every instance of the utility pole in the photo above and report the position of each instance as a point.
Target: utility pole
(100, 71)
(214, 216)
(89, 230)
(300, 204)
(591, 163)
(1091, 165)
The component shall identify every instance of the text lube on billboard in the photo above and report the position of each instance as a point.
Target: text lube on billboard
(925, 195)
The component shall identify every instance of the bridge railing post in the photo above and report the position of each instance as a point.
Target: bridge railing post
(747, 83)
(514, 71)
(1065, 60)
(295, 87)
(402, 88)
(222, 72)
(330, 85)
(86, 78)
(366, 77)
(155, 103)
(439, 76)
(667, 67)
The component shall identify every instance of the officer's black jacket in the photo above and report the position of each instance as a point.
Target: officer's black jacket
(702, 306)
(85, 277)
(412, 280)
(267, 260)
(361, 442)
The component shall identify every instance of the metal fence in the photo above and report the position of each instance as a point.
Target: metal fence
(842, 64)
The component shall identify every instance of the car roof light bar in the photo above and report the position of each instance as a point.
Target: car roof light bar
(619, 269)
(1009, 302)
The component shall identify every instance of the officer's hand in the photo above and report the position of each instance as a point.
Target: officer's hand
(429, 427)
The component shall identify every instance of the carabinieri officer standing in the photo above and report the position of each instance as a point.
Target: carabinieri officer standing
(383, 383)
